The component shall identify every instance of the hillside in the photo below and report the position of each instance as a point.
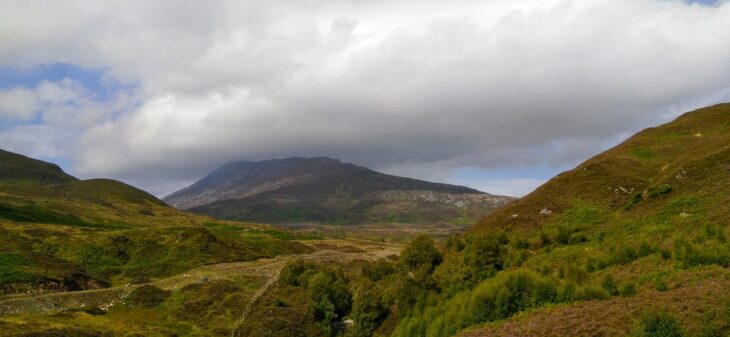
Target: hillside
(328, 191)
(59, 233)
(15, 169)
(633, 239)
(688, 158)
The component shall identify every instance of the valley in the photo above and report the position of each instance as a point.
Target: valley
(633, 240)
(40, 310)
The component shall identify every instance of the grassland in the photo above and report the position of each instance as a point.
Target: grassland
(58, 233)
(211, 300)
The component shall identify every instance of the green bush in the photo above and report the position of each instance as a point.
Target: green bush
(483, 255)
(687, 255)
(146, 296)
(635, 200)
(493, 299)
(378, 270)
(628, 289)
(368, 310)
(658, 324)
(609, 284)
(421, 252)
(297, 272)
(664, 189)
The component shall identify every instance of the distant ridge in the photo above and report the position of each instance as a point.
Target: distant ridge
(323, 189)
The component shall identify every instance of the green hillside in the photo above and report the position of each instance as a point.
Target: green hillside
(685, 161)
(632, 234)
(18, 169)
(58, 233)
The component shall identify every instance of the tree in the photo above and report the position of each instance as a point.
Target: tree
(368, 310)
(421, 253)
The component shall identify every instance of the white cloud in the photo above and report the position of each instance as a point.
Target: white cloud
(17, 103)
(37, 141)
(387, 84)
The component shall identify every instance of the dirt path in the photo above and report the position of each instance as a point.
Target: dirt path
(267, 269)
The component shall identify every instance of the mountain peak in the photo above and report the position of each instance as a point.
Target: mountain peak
(317, 184)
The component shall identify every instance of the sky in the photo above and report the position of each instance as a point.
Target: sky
(498, 95)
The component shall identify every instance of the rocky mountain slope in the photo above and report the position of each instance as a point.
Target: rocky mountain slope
(328, 190)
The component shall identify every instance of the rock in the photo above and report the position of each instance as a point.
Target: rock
(546, 211)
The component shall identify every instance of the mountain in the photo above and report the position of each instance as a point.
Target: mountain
(328, 190)
(59, 233)
(634, 241)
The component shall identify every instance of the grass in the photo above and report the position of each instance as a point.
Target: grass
(644, 153)
(98, 232)
(13, 268)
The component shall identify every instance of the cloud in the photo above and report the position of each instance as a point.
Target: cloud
(517, 187)
(430, 85)
(17, 103)
(37, 141)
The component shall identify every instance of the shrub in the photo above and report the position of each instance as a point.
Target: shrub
(506, 295)
(658, 324)
(635, 199)
(522, 244)
(146, 296)
(421, 252)
(661, 190)
(660, 285)
(327, 288)
(563, 236)
(628, 289)
(609, 284)
(378, 270)
(687, 255)
(664, 189)
(368, 310)
(483, 252)
(455, 243)
(296, 272)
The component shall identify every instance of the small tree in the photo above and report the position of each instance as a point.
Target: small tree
(368, 310)
(420, 253)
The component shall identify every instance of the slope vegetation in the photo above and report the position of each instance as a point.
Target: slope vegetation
(634, 236)
(59, 233)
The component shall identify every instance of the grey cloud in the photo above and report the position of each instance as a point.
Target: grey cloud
(430, 85)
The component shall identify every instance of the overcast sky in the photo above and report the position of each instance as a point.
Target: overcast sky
(497, 95)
